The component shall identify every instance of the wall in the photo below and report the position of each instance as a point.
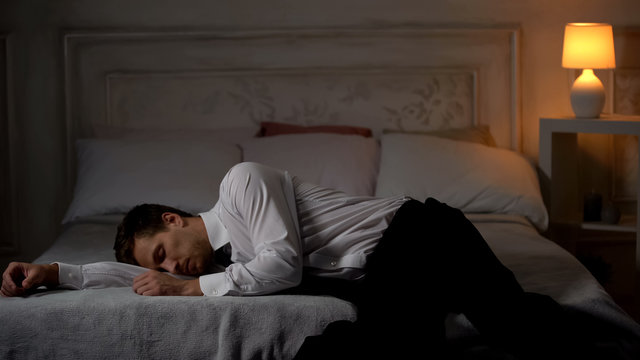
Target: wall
(32, 108)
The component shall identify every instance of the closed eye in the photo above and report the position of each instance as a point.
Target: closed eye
(159, 255)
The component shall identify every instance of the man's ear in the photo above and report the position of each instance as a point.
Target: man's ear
(170, 218)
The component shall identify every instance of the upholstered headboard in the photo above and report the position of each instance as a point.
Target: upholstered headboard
(400, 78)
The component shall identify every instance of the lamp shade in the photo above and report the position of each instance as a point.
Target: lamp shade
(588, 46)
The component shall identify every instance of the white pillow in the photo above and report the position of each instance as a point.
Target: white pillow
(471, 177)
(116, 174)
(348, 163)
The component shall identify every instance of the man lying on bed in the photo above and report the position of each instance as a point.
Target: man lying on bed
(386, 250)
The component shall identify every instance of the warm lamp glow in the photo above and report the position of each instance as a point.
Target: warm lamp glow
(588, 46)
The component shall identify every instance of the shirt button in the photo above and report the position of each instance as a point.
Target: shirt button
(334, 263)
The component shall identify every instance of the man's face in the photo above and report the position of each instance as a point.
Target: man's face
(176, 250)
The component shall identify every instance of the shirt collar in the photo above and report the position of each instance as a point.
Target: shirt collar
(216, 231)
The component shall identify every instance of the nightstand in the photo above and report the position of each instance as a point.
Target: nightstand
(609, 250)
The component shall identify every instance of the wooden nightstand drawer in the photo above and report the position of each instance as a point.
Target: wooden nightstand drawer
(610, 257)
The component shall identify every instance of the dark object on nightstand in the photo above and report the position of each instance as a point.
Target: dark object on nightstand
(610, 213)
(592, 207)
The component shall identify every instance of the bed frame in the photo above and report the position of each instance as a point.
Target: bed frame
(397, 78)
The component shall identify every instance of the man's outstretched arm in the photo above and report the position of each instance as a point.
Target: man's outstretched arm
(20, 277)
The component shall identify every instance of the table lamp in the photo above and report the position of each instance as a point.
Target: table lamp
(588, 46)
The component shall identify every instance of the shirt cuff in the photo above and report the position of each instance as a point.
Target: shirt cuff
(69, 276)
(214, 284)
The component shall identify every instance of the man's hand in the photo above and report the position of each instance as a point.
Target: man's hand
(157, 283)
(20, 277)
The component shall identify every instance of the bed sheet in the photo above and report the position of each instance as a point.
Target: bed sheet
(542, 266)
(116, 322)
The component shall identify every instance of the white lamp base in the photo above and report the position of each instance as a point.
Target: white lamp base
(587, 95)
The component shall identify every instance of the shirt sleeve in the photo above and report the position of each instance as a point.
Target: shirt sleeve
(257, 203)
(97, 275)
(215, 284)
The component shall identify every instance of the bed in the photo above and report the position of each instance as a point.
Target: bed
(160, 116)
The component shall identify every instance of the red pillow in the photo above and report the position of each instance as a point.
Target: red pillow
(275, 128)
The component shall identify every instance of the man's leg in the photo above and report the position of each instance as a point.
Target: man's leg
(393, 318)
(525, 324)
(433, 249)
(427, 249)
(402, 301)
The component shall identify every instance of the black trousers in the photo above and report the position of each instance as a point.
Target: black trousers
(432, 261)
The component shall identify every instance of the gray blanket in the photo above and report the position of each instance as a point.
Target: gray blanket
(119, 324)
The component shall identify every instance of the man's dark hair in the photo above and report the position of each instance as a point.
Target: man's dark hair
(141, 221)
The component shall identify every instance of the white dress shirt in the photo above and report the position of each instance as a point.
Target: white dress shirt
(276, 225)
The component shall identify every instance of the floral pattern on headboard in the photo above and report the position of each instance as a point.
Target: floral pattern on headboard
(419, 99)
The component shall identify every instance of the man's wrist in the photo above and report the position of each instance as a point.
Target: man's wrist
(52, 278)
(192, 288)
